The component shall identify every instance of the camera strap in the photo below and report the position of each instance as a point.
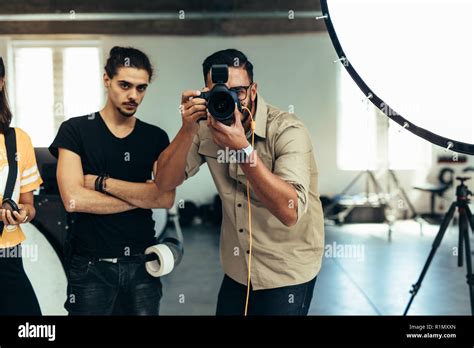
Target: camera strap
(10, 148)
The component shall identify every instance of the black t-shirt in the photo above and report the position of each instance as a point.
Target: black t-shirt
(130, 159)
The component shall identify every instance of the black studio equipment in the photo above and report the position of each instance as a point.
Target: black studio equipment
(461, 205)
(52, 220)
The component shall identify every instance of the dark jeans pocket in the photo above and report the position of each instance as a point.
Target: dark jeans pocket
(289, 300)
(79, 268)
(145, 292)
(92, 287)
(292, 300)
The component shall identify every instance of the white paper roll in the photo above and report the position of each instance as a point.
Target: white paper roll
(165, 263)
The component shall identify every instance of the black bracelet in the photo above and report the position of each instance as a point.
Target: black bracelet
(96, 184)
(102, 183)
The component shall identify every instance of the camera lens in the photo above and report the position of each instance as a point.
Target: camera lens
(221, 105)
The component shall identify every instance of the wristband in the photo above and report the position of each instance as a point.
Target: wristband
(103, 184)
(100, 183)
(96, 183)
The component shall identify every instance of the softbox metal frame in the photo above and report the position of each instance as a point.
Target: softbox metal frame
(447, 143)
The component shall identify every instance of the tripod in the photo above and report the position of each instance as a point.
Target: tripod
(465, 218)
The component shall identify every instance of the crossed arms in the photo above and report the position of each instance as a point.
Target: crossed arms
(78, 194)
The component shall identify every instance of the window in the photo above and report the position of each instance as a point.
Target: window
(368, 140)
(357, 133)
(54, 81)
(406, 151)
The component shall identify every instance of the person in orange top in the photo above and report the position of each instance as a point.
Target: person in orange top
(17, 296)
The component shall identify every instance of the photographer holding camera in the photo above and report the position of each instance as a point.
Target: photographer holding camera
(272, 240)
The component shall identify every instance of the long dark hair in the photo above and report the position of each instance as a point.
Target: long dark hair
(5, 113)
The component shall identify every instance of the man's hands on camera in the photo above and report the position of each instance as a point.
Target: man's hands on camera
(233, 136)
(14, 218)
(192, 109)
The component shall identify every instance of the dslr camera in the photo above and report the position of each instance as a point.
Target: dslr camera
(221, 100)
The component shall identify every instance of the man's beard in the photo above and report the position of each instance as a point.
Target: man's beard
(245, 112)
(126, 114)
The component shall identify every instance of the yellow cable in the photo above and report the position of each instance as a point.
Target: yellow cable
(252, 127)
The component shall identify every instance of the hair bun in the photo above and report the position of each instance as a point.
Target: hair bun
(116, 50)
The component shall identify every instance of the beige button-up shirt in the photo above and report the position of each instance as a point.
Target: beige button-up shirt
(281, 255)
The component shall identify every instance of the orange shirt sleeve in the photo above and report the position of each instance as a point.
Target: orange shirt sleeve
(30, 178)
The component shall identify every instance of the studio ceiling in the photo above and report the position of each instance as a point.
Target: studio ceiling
(147, 17)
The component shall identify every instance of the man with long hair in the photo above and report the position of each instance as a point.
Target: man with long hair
(105, 166)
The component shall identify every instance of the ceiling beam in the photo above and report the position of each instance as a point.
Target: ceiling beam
(128, 6)
(228, 27)
(164, 17)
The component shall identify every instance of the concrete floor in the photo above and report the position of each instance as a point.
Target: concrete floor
(372, 277)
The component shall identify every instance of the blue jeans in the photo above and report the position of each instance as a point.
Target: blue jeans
(105, 288)
(287, 300)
